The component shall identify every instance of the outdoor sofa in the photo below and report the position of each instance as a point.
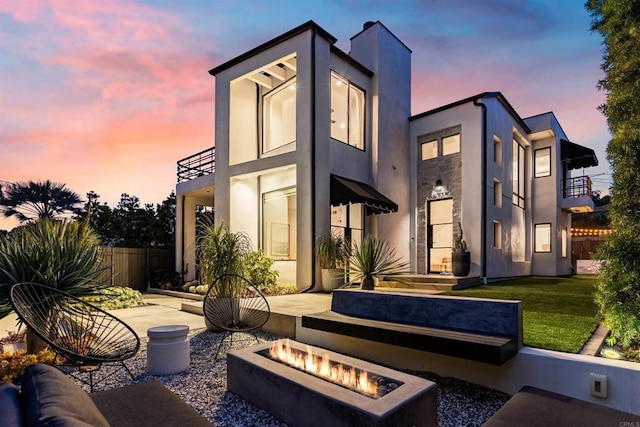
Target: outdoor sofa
(47, 397)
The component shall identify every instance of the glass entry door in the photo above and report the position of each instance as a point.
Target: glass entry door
(439, 235)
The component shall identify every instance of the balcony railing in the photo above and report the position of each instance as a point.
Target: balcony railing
(579, 186)
(199, 164)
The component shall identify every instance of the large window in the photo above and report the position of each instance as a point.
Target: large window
(518, 174)
(279, 118)
(543, 237)
(279, 224)
(347, 112)
(542, 162)
(451, 144)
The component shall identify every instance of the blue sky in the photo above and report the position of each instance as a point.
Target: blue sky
(108, 95)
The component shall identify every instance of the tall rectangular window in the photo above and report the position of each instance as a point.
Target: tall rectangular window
(497, 193)
(542, 236)
(347, 112)
(279, 117)
(542, 162)
(518, 173)
(563, 242)
(279, 224)
(497, 150)
(497, 234)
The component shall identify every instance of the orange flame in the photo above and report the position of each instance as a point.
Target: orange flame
(323, 367)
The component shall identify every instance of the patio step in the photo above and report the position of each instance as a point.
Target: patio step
(436, 282)
(285, 310)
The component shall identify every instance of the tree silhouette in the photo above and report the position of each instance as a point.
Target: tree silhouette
(37, 199)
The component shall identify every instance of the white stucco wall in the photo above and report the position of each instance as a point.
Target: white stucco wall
(390, 60)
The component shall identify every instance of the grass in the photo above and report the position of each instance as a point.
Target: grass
(558, 312)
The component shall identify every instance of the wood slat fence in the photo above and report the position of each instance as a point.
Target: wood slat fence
(133, 267)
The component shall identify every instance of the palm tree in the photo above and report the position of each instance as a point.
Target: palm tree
(40, 199)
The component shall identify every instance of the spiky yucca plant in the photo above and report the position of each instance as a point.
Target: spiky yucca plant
(60, 254)
(371, 258)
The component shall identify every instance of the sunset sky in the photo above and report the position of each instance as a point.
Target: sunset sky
(108, 95)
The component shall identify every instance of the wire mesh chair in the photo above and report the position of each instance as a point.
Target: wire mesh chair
(80, 334)
(233, 304)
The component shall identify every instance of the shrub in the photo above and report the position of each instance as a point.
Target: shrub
(59, 254)
(12, 365)
(259, 270)
(114, 298)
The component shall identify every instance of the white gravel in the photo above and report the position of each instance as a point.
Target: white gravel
(203, 386)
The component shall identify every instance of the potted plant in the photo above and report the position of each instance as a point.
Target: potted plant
(374, 257)
(330, 252)
(460, 256)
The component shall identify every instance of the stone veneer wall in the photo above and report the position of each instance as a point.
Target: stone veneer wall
(448, 169)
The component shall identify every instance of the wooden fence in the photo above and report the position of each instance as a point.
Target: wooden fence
(133, 267)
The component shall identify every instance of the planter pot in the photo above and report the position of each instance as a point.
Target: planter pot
(461, 263)
(332, 279)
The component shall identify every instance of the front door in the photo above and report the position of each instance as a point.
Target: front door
(439, 235)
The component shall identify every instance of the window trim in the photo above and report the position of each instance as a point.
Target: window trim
(349, 84)
(535, 238)
(535, 164)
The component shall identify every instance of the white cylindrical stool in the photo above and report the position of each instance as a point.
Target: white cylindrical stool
(168, 349)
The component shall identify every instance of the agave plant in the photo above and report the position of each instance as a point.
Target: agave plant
(371, 258)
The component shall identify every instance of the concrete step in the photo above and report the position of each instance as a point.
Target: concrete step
(436, 282)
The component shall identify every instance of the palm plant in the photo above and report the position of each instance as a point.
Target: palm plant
(371, 258)
(40, 199)
(330, 250)
(59, 254)
(220, 251)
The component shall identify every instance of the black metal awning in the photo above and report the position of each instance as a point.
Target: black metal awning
(576, 156)
(344, 191)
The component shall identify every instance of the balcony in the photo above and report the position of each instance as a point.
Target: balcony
(576, 195)
(196, 165)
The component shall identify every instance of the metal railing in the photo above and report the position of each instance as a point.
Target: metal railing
(579, 186)
(199, 164)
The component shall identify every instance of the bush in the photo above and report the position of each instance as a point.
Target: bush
(12, 365)
(618, 287)
(259, 270)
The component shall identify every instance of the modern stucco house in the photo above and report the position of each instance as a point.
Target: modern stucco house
(309, 137)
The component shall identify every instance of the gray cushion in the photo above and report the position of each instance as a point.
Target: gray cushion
(10, 405)
(148, 403)
(534, 407)
(51, 398)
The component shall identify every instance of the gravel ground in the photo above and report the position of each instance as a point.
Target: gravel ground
(203, 386)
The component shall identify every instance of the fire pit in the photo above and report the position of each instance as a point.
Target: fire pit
(309, 386)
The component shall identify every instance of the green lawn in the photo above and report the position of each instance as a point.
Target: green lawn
(558, 312)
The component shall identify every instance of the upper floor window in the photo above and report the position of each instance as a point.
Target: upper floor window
(542, 162)
(347, 112)
(441, 143)
(279, 117)
(518, 174)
